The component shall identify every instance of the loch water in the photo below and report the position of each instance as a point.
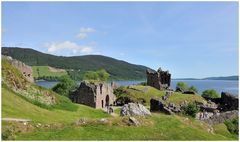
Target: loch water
(230, 86)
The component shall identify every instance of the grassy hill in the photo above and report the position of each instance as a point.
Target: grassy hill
(44, 72)
(58, 120)
(61, 122)
(118, 69)
(138, 92)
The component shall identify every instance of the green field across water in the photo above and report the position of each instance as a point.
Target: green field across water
(47, 71)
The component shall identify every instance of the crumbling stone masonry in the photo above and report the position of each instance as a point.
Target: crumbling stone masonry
(96, 95)
(23, 68)
(158, 79)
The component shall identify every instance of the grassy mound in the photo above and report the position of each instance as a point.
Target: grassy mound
(179, 98)
(14, 106)
(13, 81)
(139, 92)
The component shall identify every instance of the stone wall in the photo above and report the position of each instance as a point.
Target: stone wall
(227, 102)
(222, 117)
(95, 95)
(158, 79)
(23, 68)
(105, 96)
(85, 94)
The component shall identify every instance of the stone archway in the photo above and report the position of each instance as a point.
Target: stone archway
(107, 100)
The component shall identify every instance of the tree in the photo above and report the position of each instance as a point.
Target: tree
(90, 75)
(65, 86)
(182, 85)
(103, 75)
(191, 109)
(193, 88)
(99, 75)
(211, 93)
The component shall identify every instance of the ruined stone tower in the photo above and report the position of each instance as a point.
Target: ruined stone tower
(158, 79)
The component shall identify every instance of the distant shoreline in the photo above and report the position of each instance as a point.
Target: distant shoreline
(234, 77)
(206, 79)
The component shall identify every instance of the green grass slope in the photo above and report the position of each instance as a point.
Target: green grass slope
(13, 79)
(118, 69)
(14, 106)
(139, 92)
(58, 122)
(162, 127)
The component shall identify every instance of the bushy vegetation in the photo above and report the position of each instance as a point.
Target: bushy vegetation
(191, 109)
(210, 93)
(143, 83)
(75, 74)
(193, 88)
(118, 70)
(183, 86)
(65, 86)
(99, 75)
(232, 126)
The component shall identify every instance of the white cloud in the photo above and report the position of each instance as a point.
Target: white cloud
(84, 32)
(87, 30)
(82, 35)
(68, 48)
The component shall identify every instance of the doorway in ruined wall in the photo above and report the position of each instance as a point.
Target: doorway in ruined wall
(107, 100)
(102, 104)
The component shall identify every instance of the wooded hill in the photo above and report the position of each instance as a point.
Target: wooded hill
(78, 65)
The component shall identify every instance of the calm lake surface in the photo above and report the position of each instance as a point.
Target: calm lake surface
(218, 85)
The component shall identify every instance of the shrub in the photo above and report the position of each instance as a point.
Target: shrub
(143, 83)
(193, 88)
(232, 125)
(100, 75)
(182, 85)
(65, 86)
(191, 109)
(124, 99)
(211, 93)
(119, 91)
(103, 75)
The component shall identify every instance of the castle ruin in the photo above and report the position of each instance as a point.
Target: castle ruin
(158, 79)
(96, 95)
(23, 68)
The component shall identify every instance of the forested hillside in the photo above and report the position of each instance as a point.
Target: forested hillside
(78, 65)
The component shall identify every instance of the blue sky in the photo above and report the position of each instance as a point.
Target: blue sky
(190, 39)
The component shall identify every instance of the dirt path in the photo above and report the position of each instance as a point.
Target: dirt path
(16, 119)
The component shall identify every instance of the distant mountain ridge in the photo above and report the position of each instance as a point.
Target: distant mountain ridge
(233, 77)
(78, 65)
